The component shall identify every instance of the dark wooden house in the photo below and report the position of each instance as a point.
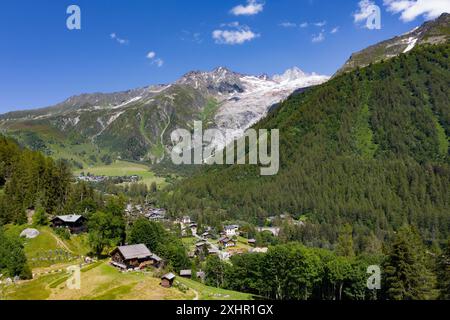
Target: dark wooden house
(75, 223)
(167, 280)
(227, 242)
(134, 256)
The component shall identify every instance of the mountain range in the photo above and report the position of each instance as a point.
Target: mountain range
(136, 124)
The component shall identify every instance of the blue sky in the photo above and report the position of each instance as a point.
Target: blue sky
(124, 44)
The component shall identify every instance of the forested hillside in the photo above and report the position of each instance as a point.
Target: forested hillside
(29, 180)
(369, 148)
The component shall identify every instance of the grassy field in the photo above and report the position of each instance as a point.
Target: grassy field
(124, 168)
(242, 243)
(103, 282)
(189, 243)
(210, 293)
(48, 249)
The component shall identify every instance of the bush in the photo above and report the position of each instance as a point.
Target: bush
(63, 233)
(13, 261)
(40, 217)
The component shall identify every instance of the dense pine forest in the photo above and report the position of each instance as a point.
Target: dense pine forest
(369, 148)
(30, 180)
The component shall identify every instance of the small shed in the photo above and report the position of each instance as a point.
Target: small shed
(213, 252)
(206, 235)
(186, 274)
(167, 280)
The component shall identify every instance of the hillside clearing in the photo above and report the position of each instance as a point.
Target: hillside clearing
(48, 249)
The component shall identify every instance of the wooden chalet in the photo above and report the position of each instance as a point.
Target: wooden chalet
(227, 242)
(75, 223)
(201, 248)
(134, 256)
(167, 280)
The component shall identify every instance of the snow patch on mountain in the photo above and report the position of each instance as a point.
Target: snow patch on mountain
(127, 102)
(241, 111)
(411, 44)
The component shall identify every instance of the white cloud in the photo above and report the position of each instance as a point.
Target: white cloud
(365, 10)
(411, 9)
(318, 38)
(238, 35)
(234, 24)
(320, 24)
(195, 37)
(304, 25)
(119, 40)
(335, 30)
(154, 60)
(253, 7)
(159, 62)
(288, 24)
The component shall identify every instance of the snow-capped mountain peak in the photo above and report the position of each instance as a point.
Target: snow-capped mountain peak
(290, 75)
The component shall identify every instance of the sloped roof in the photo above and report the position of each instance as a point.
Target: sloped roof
(169, 276)
(69, 218)
(226, 239)
(137, 251)
(155, 257)
(185, 272)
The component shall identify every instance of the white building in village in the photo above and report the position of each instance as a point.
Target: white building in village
(231, 230)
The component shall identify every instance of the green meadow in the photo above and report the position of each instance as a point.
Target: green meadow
(124, 168)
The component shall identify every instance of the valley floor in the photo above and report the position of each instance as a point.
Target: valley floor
(124, 168)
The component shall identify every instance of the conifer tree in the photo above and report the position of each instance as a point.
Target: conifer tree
(407, 272)
(444, 273)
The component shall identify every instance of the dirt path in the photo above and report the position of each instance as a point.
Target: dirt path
(61, 243)
(197, 296)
